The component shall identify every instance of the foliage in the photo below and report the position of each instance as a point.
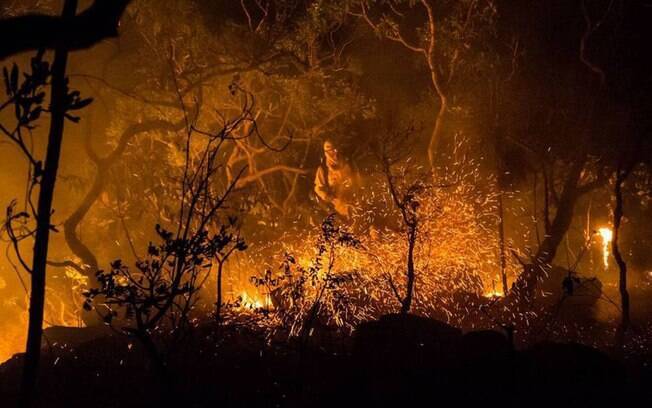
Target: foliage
(161, 291)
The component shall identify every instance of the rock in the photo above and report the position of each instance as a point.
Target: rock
(485, 345)
(573, 373)
(406, 340)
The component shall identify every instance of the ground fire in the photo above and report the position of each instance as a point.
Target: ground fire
(306, 203)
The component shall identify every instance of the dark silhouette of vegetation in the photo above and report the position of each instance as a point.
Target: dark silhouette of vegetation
(154, 300)
(72, 32)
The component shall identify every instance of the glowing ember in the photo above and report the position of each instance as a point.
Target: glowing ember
(493, 294)
(607, 235)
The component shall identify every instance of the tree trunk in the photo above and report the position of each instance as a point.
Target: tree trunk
(527, 281)
(434, 146)
(407, 302)
(44, 212)
(622, 266)
(162, 373)
(501, 243)
(104, 165)
(218, 304)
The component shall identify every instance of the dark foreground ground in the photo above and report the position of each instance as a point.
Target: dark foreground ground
(395, 362)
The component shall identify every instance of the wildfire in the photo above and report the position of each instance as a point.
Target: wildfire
(606, 234)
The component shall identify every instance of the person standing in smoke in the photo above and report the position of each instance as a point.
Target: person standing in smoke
(336, 181)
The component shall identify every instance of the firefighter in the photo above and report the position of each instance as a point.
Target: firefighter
(336, 181)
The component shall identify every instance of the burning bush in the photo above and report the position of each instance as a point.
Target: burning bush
(324, 290)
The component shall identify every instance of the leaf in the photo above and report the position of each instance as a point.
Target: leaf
(80, 104)
(35, 114)
(72, 118)
(5, 74)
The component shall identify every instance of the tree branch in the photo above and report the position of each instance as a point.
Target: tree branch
(38, 31)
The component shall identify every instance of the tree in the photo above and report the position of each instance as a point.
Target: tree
(405, 189)
(230, 243)
(568, 172)
(27, 98)
(622, 172)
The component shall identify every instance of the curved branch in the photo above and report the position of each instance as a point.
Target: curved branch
(104, 165)
(38, 31)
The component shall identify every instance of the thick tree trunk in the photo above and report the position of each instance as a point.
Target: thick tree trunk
(44, 212)
(526, 283)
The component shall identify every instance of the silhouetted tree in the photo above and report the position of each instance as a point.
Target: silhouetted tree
(231, 242)
(27, 98)
(404, 188)
(154, 300)
(568, 172)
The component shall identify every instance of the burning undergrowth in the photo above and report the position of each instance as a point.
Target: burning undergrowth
(343, 272)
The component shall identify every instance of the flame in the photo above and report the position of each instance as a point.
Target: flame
(249, 302)
(493, 294)
(606, 234)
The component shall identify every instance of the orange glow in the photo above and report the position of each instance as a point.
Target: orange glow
(606, 234)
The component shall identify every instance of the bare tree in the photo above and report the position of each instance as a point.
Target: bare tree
(404, 189)
(27, 98)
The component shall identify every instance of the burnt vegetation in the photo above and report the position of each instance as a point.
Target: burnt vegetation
(299, 203)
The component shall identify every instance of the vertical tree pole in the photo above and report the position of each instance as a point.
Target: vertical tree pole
(621, 176)
(58, 100)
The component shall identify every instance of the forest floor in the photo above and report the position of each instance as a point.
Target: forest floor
(393, 361)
